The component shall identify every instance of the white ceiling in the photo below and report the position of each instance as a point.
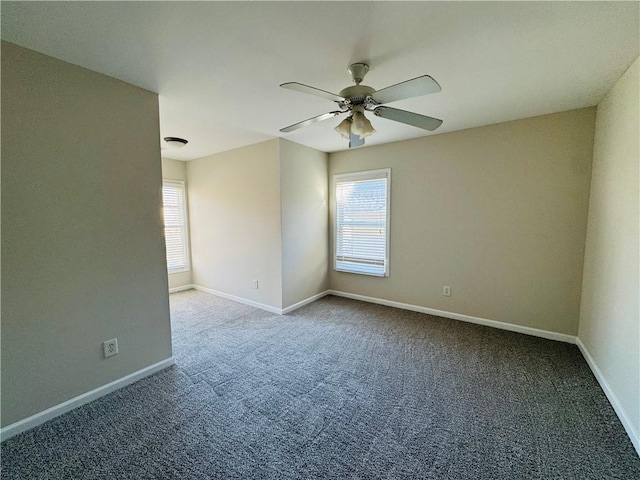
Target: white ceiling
(217, 66)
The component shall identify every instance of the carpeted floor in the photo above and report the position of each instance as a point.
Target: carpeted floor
(339, 389)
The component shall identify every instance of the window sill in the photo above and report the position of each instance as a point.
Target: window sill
(182, 270)
(362, 272)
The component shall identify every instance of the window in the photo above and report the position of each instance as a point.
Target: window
(362, 222)
(175, 226)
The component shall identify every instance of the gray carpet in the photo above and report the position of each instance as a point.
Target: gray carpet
(339, 390)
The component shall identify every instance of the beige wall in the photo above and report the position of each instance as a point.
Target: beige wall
(609, 317)
(498, 213)
(234, 210)
(260, 213)
(305, 236)
(174, 169)
(177, 170)
(82, 244)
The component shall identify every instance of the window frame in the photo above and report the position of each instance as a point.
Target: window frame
(354, 177)
(185, 225)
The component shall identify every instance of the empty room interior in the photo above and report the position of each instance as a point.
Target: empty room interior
(296, 240)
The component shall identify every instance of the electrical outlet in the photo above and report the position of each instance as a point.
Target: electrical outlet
(255, 284)
(446, 291)
(110, 347)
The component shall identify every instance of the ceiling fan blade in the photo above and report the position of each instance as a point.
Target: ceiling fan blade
(411, 88)
(410, 118)
(299, 87)
(355, 141)
(310, 121)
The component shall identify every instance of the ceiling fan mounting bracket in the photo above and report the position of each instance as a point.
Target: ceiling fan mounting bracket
(370, 103)
(358, 71)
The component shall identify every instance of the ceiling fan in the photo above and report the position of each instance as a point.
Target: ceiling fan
(357, 99)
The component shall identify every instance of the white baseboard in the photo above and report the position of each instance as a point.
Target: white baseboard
(536, 332)
(181, 288)
(613, 399)
(561, 337)
(304, 302)
(245, 301)
(262, 306)
(57, 410)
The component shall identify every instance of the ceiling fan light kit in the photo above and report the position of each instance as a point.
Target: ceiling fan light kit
(360, 125)
(357, 99)
(344, 128)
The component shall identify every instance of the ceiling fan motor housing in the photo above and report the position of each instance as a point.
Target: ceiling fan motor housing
(357, 94)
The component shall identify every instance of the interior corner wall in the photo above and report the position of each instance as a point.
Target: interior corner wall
(305, 224)
(82, 245)
(177, 170)
(174, 169)
(235, 223)
(610, 312)
(498, 213)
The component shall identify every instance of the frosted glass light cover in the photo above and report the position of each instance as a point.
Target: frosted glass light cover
(344, 128)
(361, 125)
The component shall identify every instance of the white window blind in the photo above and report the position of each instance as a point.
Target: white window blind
(175, 226)
(362, 222)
